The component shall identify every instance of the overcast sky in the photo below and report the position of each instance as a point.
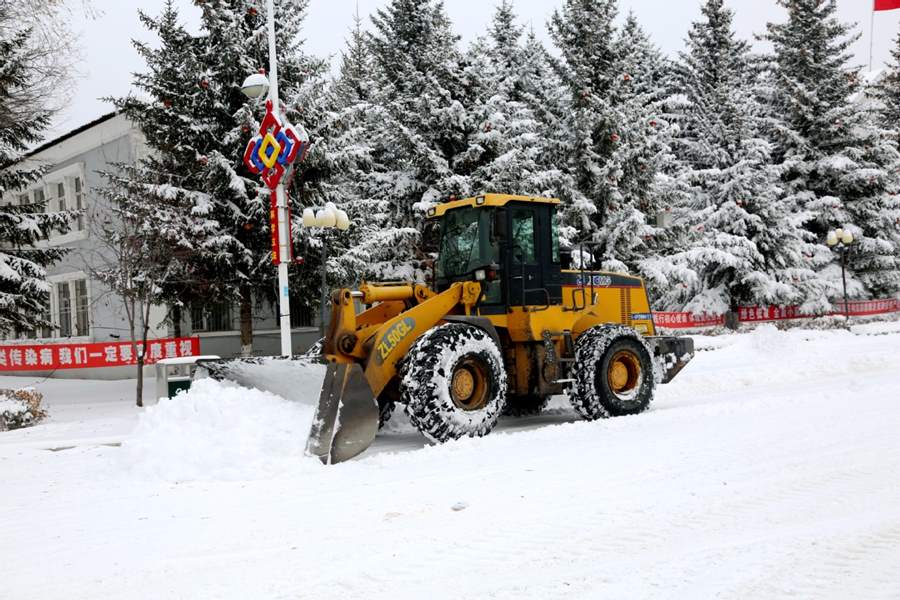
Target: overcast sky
(109, 59)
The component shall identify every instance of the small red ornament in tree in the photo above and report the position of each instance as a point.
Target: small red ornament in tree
(652, 123)
(204, 83)
(167, 103)
(245, 128)
(615, 138)
(626, 77)
(252, 12)
(487, 127)
(202, 161)
(248, 226)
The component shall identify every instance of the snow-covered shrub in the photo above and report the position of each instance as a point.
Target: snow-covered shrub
(20, 408)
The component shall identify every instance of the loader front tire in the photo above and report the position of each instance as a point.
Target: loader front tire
(453, 383)
(613, 373)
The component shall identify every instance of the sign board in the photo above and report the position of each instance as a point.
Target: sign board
(50, 357)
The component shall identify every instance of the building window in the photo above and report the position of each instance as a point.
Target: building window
(39, 197)
(73, 308)
(81, 308)
(64, 302)
(78, 186)
(61, 196)
(212, 317)
(23, 199)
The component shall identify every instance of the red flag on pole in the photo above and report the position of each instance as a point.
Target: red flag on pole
(887, 4)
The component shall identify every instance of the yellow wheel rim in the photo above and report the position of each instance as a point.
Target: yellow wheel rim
(624, 372)
(468, 386)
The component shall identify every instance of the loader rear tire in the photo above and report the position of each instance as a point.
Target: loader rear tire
(613, 373)
(453, 383)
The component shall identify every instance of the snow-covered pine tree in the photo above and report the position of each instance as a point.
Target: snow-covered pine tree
(358, 145)
(887, 90)
(839, 169)
(423, 93)
(236, 259)
(638, 191)
(584, 32)
(743, 245)
(169, 112)
(613, 150)
(508, 148)
(24, 291)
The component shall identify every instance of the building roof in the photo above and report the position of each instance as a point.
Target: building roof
(73, 133)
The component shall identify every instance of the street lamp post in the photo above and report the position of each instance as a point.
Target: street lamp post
(330, 217)
(841, 240)
(254, 87)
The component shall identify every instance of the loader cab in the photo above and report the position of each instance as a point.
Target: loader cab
(509, 242)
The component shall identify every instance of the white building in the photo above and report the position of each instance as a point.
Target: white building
(83, 310)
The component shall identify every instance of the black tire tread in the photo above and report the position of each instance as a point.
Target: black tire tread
(430, 360)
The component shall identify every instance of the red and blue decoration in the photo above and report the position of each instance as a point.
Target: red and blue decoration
(277, 145)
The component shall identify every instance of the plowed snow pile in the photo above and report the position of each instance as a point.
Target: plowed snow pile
(217, 431)
(767, 469)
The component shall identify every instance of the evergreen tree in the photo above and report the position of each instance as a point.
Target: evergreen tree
(839, 169)
(744, 247)
(584, 32)
(887, 90)
(24, 291)
(638, 190)
(614, 141)
(508, 147)
(421, 98)
(169, 113)
(358, 144)
(197, 124)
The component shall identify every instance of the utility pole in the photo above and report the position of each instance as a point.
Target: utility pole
(284, 242)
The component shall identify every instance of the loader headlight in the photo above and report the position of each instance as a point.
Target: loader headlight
(480, 275)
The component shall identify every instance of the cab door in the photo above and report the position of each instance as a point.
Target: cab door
(523, 260)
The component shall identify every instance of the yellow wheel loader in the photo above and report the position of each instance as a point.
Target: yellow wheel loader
(504, 327)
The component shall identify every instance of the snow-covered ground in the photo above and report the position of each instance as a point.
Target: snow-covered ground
(769, 469)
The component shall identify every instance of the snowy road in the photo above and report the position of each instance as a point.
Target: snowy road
(769, 469)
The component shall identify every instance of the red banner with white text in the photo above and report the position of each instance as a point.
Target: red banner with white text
(49, 357)
(762, 314)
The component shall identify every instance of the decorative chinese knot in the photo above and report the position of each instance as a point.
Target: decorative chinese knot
(274, 148)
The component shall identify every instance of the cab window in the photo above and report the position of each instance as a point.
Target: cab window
(523, 238)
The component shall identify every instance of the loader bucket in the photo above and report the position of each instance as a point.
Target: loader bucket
(346, 420)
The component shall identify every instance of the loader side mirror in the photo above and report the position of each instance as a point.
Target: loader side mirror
(499, 231)
(431, 236)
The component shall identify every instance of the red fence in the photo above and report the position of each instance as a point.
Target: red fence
(49, 357)
(760, 314)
